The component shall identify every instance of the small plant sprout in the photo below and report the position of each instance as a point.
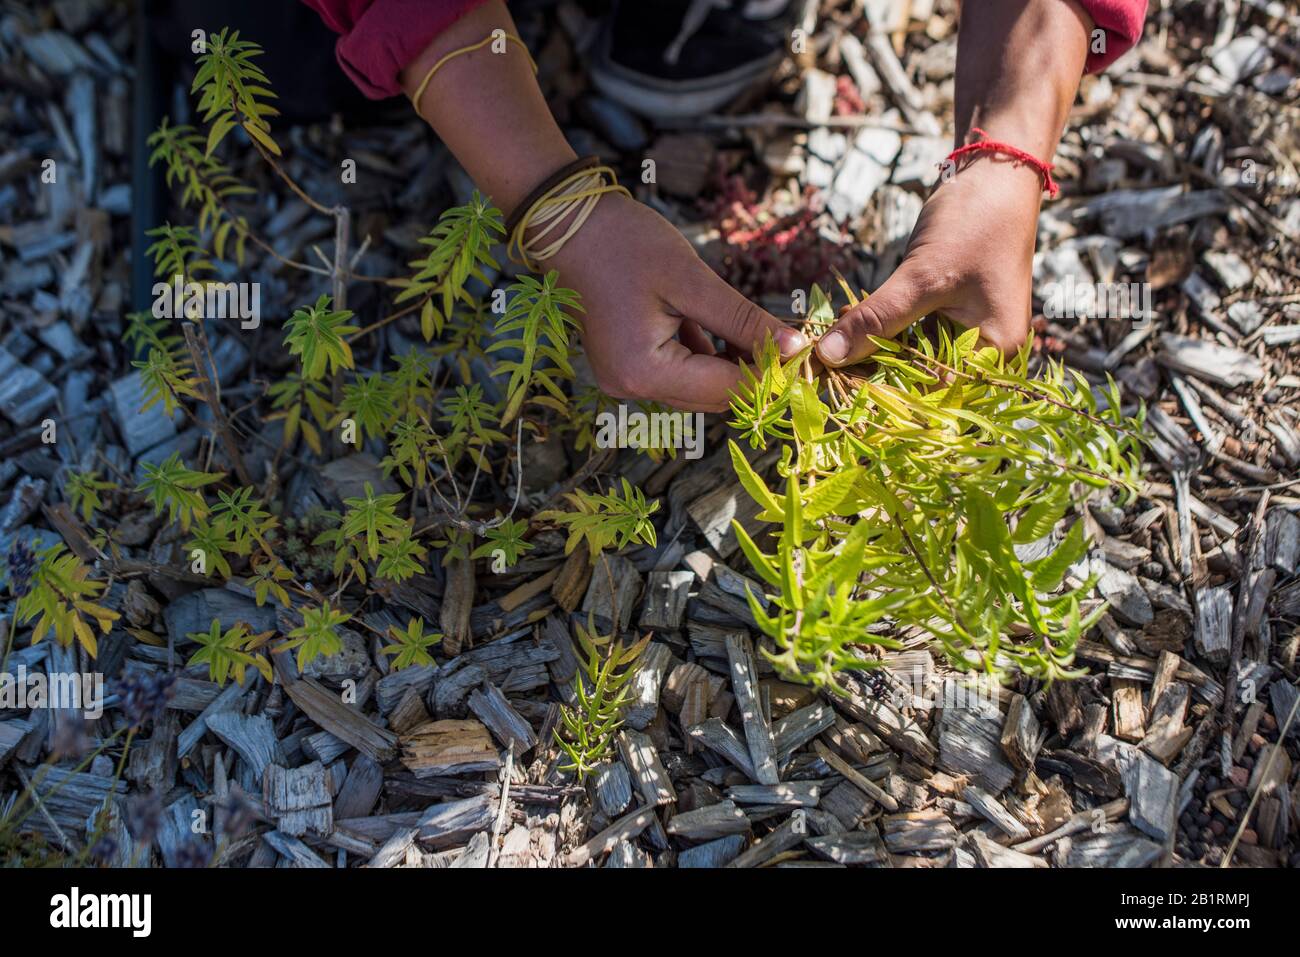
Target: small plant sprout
(54, 589)
(601, 688)
(231, 652)
(411, 646)
(317, 635)
(373, 517)
(269, 578)
(618, 518)
(540, 321)
(315, 334)
(82, 489)
(173, 486)
(504, 542)
(461, 246)
(233, 90)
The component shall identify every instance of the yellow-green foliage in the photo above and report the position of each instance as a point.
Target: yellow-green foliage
(600, 689)
(903, 496)
(59, 596)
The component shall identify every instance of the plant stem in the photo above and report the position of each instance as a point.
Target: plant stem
(197, 342)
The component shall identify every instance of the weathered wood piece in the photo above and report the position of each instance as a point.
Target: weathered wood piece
(624, 829)
(252, 736)
(666, 594)
(709, 822)
(851, 847)
(897, 730)
(744, 685)
(787, 793)
(1127, 713)
(714, 512)
(449, 746)
(457, 603)
(799, 727)
(1022, 735)
(790, 833)
(611, 788)
(361, 790)
(293, 850)
(848, 804)
(989, 853)
(856, 777)
(1208, 360)
(299, 798)
(645, 685)
(914, 831)
(988, 807)
(506, 724)
(642, 762)
(616, 572)
(452, 823)
(970, 744)
(1117, 847)
(329, 712)
(719, 737)
(713, 854)
(1214, 623)
(1166, 732)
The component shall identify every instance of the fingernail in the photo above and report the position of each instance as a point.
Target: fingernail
(790, 341)
(833, 347)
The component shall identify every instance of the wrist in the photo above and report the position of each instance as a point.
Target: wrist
(586, 242)
(486, 106)
(1018, 68)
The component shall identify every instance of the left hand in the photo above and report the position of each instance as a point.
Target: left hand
(970, 257)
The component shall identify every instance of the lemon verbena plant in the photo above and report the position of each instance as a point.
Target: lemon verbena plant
(926, 499)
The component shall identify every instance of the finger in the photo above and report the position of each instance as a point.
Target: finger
(706, 298)
(904, 298)
(695, 338)
(691, 382)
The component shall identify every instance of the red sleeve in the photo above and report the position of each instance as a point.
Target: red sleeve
(1122, 21)
(380, 37)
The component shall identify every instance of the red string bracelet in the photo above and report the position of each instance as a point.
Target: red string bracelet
(986, 145)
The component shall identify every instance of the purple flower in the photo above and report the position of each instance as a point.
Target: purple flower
(194, 853)
(21, 562)
(104, 850)
(144, 697)
(142, 816)
(240, 813)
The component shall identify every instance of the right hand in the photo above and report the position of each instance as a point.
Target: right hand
(642, 284)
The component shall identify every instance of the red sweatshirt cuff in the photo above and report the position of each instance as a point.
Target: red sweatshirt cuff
(1122, 21)
(380, 37)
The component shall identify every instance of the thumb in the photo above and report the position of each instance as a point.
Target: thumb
(712, 303)
(904, 298)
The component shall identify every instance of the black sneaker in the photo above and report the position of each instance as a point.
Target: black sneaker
(679, 58)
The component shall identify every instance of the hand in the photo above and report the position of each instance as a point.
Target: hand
(970, 257)
(642, 284)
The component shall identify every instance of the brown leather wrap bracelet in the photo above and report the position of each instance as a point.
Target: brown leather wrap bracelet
(545, 186)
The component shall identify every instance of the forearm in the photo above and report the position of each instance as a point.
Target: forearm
(1019, 63)
(488, 108)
